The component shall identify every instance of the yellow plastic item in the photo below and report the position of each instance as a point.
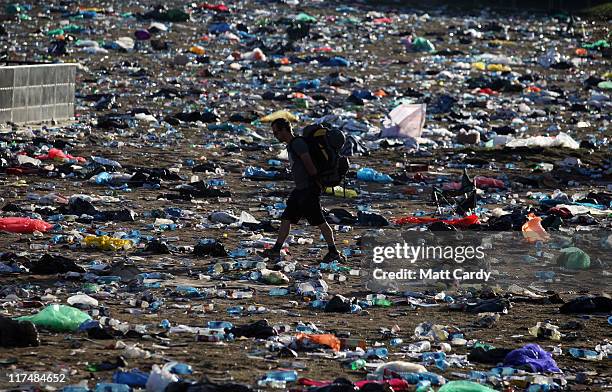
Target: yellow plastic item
(502, 43)
(197, 50)
(607, 75)
(498, 68)
(339, 191)
(105, 242)
(279, 114)
(479, 66)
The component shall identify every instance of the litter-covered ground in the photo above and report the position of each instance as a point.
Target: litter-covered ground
(128, 237)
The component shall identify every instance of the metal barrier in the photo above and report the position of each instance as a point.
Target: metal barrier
(40, 92)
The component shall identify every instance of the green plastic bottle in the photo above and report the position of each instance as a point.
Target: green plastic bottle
(358, 364)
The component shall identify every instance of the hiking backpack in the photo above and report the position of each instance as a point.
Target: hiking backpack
(324, 145)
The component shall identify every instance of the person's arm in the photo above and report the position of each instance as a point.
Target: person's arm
(308, 164)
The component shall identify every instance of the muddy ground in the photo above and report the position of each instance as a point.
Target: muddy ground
(381, 63)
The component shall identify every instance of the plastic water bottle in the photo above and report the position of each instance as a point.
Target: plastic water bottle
(181, 368)
(282, 375)
(358, 364)
(165, 324)
(433, 356)
(304, 328)
(379, 352)
(478, 376)
(111, 387)
(222, 325)
(216, 182)
(235, 310)
(503, 371)
(396, 342)
(241, 294)
(419, 347)
(278, 292)
(539, 245)
(589, 355)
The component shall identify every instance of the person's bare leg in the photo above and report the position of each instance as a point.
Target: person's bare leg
(328, 234)
(283, 233)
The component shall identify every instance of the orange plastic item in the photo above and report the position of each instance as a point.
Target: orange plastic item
(325, 339)
(285, 61)
(380, 93)
(533, 230)
(197, 50)
(533, 89)
(24, 225)
(299, 95)
(581, 52)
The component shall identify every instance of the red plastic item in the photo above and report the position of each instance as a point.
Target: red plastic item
(383, 20)
(459, 222)
(487, 91)
(396, 384)
(215, 7)
(58, 154)
(24, 225)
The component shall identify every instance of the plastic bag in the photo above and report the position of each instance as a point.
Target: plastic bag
(533, 230)
(58, 318)
(328, 340)
(105, 242)
(24, 225)
(405, 121)
(160, 378)
(561, 140)
(372, 175)
(574, 258)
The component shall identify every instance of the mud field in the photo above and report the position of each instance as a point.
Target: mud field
(112, 87)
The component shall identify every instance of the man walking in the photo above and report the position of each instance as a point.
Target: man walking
(304, 200)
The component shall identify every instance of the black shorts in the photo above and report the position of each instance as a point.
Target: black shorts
(304, 203)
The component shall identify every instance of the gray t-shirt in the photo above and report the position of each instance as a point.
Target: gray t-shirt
(300, 176)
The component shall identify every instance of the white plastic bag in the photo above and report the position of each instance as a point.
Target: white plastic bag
(160, 378)
(405, 121)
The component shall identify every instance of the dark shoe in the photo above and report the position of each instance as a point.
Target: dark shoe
(331, 256)
(273, 255)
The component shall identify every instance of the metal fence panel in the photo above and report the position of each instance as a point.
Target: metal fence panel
(41, 92)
